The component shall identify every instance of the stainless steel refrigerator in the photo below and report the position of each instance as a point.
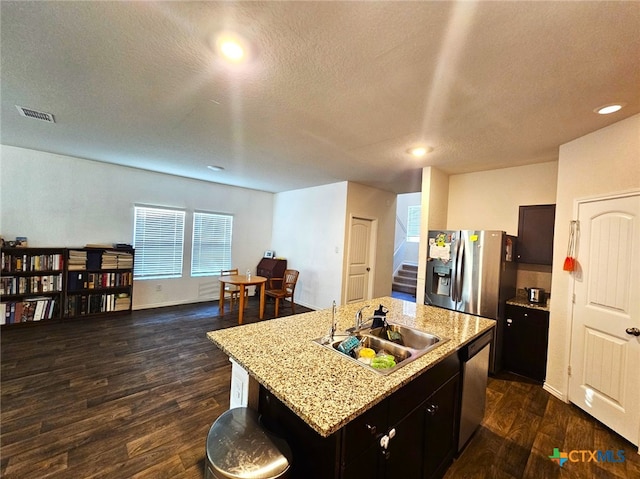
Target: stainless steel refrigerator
(472, 272)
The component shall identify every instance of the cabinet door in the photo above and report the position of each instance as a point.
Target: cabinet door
(366, 466)
(405, 453)
(535, 234)
(440, 428)
(526, 335)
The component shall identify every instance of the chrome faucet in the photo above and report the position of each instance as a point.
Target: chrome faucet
(334, 323)
(359, 323)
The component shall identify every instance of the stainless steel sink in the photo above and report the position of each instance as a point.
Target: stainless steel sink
(405, 344)
(409, 337)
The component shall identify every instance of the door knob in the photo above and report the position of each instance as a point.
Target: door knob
(633, 331)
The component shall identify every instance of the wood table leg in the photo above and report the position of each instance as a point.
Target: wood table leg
(241, 312)
(221, 302)
(262, 288)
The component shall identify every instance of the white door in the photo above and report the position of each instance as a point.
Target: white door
(605, 355)
(359, 260)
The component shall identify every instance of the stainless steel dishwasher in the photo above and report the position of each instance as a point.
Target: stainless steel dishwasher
(475, 370)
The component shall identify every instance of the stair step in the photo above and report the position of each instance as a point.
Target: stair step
(404, 280)
(409, 267)
(404, 288)
(408, 273)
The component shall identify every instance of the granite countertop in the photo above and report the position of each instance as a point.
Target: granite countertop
(323, 388)
(524, 302)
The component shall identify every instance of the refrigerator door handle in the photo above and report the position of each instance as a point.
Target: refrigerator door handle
(459, 263)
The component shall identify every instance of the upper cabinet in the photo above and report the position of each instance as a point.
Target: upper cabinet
(535, 234)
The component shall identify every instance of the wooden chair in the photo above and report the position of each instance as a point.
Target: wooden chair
(282, 288)
(231, 290)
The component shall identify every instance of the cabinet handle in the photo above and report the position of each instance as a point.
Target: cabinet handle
(372, 429)
(384, 440)
(633, 331)
(432, 409)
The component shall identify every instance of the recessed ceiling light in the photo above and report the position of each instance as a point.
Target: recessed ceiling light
(607, 109)
(232, 47)
(215, 168)
(419, 151)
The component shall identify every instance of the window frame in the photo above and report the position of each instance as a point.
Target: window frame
(207, 264)
(414, 213)
(164, 262)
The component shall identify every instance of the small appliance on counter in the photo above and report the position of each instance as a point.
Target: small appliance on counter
(536, 295)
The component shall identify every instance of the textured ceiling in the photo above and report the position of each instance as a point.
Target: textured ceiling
(334, 91)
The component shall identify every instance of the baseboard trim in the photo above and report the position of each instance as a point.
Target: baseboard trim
(555, 392)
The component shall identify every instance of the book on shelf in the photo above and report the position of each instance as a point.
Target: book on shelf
(117, 260)
(28, 310)
(77, 260)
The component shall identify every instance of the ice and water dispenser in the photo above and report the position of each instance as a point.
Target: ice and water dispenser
(440, 273)
(441, 280)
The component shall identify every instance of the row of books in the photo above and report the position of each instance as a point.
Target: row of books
(33, 309)
(98, 259)
(77, 260)
(84, 280)
(82, 304)
(30, 284)
(117, 260)
(17, 262)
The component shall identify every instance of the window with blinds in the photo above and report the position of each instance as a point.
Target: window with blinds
(413, 224)
(158, 238)
(211, 251)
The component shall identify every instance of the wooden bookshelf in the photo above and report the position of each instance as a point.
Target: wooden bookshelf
(99, 281)
(31, 284)
(64, 283)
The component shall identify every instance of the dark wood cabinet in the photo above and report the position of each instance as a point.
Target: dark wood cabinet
(419, 421)
(535, 234)
(271, 268)
(441, 420)
(526, 337)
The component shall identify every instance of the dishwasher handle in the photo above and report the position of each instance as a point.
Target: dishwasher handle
(477, 345)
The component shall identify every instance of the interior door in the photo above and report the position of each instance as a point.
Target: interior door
(605, 353)
(359, 260)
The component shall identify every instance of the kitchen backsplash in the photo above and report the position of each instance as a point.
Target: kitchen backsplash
(533, 276)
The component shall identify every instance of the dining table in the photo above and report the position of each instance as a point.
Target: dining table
(242, 281)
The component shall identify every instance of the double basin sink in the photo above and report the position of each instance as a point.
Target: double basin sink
(405, 344)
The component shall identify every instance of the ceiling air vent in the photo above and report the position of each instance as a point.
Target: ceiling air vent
(35, 114)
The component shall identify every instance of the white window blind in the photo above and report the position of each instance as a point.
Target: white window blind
(413, 224)
(211, 251)
(158, 239)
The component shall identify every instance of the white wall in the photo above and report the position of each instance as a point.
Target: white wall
(604, 162)
(309, 231)
(379, 206)
(61, 201)
(435, 198)
(489, 200)
(410, 250)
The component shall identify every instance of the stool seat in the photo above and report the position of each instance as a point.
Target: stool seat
(239, 447)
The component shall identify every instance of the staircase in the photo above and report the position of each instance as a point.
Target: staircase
(406, 279)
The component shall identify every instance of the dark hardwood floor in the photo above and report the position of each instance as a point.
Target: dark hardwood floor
(134, 397)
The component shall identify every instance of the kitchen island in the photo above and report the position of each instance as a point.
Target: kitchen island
(329, 394)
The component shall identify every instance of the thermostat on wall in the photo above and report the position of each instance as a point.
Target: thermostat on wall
(269, 254)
